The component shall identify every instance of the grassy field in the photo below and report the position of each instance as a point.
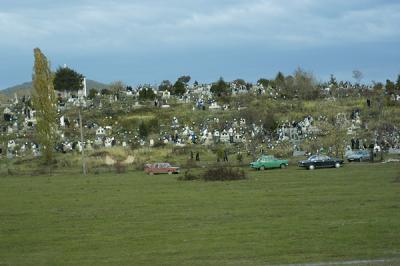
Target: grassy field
(274, 217)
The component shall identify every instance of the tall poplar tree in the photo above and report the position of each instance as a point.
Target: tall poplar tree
(44, 102)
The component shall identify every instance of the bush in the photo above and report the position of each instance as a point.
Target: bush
(224, 173)
(146, 127)
(179, 150)
(139, 164)
(187, 176)
(120, 168)
(283, 150)
(190, 164)
(239, 158)
(159, 144)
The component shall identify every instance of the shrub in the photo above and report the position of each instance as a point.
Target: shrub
(179, 150)
(143, 130)
(120, 168)
(283, 150)
(159, 144)
(239, 157)
(117, 153)
(190, 164)
(224, 173)
(187, 176)
(139, 164)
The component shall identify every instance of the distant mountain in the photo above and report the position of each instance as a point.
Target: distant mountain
(92, 84)
(26, 88)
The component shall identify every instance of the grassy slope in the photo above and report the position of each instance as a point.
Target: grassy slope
(278, 216)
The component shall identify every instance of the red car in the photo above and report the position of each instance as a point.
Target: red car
(161, 168)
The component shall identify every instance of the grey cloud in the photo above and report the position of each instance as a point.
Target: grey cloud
(88, 25)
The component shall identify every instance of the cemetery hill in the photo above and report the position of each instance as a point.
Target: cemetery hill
(80, 164)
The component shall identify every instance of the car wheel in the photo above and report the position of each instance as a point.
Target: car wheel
(262, 168)
(337, 165)
(311, 167)
(283, 166)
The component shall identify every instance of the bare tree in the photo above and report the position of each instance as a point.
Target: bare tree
(358, 75)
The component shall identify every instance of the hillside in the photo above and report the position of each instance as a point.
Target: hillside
(3, 97)
(26, 87)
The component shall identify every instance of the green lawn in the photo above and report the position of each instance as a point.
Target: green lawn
(274, 217)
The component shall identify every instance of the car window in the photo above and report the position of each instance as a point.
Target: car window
(323, 157)
(313, 158)
(263, 159)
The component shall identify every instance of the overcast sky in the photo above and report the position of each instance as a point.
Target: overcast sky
(149, 41)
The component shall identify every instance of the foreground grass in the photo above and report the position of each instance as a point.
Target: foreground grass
(274, 217)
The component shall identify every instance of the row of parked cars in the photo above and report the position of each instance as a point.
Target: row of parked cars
(314, 161)
(269, 162)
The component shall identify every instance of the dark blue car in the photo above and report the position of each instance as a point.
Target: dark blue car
(320, 161)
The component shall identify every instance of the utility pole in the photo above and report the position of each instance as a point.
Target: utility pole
(82, 145)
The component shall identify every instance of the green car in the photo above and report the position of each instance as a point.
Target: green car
(268, 161)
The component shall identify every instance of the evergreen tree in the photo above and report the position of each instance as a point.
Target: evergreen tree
(179, 88)
(67, 79)
(280, 80)
(184, 79)
(390, 87)
(146, 94)
(332, 81)
(398, 83)
(264, 82)
(165, 85)
(143, 130)
(220, 87)
(44, 101)
(239, 82)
